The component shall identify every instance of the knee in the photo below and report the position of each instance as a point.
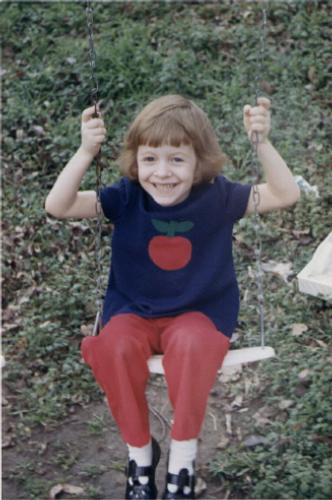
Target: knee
(125, 347)
(198, 338)
(189, 343)
(111, 347)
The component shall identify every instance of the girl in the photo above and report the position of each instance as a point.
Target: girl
(172, 286)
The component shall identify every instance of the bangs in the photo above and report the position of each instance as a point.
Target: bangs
(165, 129)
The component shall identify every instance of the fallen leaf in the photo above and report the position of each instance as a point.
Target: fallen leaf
(8, 441)
(71, 60)
(223, 443)
(285, 403)
(321, 343)
(200, 486)
(298, 329)
(266, 412)
(65, 488)
(230, 374)
(261, 419)
(305, 375)
(86, 330)
(20, 133)
(282, 269)
(254, 440)
(312, 75)
(38, 130)
(228, 417)
(237, 403)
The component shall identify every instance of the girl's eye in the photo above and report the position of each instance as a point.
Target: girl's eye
(148, 159)
(178, 159)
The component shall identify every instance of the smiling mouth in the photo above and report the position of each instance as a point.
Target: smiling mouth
(164, 188)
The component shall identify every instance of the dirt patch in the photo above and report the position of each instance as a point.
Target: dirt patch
(86, 450)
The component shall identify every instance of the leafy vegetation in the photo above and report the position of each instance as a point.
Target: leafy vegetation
(206, 51)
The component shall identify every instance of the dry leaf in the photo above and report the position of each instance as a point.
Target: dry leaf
(305, 375)
(38, 130)
(8, 441)
(254, 440)
(230, 374)
(321, 343)
(298, 329)
(65, 488)
(282, 269)
(237, 403)
(261, 419)
(285, 403)
(312, 75)
(228, 417)
(86, 330)
(223, 443)
(200, 486)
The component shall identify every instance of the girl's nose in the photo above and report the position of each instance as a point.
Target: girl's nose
(163, 169)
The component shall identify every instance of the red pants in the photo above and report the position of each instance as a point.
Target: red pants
(193, 352)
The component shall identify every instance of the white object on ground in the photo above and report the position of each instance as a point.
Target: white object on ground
(305, 186)
(316, 277)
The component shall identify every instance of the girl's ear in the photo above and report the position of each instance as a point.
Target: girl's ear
(134, 170)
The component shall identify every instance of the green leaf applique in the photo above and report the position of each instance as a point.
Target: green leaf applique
(172, 227)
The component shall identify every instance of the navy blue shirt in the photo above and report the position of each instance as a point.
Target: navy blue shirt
(171, 260)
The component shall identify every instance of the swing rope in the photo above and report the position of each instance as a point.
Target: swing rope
(237, 356)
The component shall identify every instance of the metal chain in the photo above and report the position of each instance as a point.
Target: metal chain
(256, 177)
(94, 93)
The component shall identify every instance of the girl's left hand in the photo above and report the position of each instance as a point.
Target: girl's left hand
(257, 119)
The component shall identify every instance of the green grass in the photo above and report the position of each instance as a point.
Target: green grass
(145, 49)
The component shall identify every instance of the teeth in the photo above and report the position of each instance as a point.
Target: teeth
(164, 188)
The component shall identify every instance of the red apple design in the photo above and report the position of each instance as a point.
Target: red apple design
(170, 252)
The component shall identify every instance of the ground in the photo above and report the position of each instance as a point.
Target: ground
(86, 451)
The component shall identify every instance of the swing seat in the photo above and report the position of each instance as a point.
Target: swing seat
(234, 357)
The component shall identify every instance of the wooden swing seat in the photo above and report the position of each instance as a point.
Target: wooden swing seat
(234, 357)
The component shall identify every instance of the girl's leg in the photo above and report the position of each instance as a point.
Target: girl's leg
(193, 352)
(118, 357)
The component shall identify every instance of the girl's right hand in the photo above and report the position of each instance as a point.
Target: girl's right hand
(93, 131)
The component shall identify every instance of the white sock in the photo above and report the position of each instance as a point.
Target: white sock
(182, 455)
(142, 457)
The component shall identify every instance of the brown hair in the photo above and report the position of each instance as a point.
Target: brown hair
(173, 120)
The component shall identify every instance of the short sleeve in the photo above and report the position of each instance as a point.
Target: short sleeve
(115, 199)
(235, 197)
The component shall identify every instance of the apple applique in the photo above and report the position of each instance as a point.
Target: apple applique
(170, 252)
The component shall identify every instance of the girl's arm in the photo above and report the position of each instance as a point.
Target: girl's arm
(65, 200)
(280, 189)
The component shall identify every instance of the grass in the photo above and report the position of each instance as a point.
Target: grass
(206, 51)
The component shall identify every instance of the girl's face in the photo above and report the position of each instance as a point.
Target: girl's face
(167, 172)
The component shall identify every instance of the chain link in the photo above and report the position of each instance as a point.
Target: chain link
(256, 179)
(94, 94)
